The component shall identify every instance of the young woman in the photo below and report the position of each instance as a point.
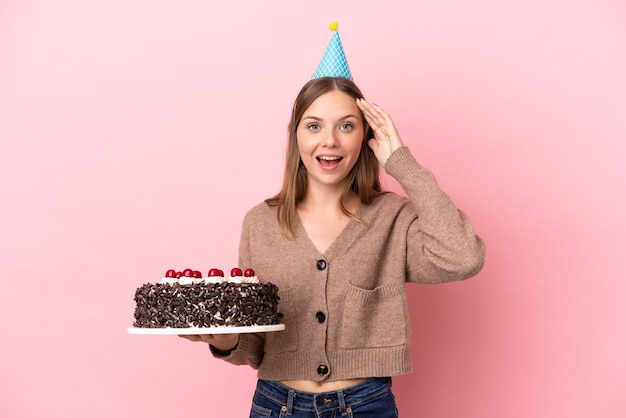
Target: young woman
(341, 250)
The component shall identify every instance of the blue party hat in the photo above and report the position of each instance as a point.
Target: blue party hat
(333, 62)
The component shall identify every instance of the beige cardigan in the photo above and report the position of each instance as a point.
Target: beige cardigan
(345, 311)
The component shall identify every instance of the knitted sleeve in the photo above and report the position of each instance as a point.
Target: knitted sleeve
(441, 243)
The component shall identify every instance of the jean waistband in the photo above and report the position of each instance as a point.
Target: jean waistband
(283, 394)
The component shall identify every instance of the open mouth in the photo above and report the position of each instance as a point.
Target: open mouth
(327, 160)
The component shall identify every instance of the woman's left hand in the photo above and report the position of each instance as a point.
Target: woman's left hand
(223, 342)
(386, 139)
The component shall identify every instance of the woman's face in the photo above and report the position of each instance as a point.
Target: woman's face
(329, 137)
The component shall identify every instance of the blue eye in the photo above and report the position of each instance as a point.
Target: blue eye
(313, 127)
(346, 127)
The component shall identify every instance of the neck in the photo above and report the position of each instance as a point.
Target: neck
(327, 200)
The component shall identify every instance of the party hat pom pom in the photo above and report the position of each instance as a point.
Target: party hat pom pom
(333, 26)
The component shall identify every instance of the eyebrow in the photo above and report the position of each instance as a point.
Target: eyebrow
(342, 118)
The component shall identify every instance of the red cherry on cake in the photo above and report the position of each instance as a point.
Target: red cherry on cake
(236, 272)
(179, 274)
(188, 273)
(197, 274)
(216, 273)
(170, 273)
(249, 273)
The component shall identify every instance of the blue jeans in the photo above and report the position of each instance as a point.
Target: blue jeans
(370, 398)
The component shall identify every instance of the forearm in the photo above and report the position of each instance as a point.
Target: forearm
(249, 351)
(442, 243)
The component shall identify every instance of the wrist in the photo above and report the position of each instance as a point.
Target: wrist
(224, 349)
(220, 353)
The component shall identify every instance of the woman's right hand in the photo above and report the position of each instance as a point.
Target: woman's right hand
(222, 342)
(386, 138)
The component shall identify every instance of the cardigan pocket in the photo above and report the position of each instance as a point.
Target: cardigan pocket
(374, 318)
(287, 339)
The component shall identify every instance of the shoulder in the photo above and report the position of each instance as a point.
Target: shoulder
(388, 201)
(388, 205)
(260, 212)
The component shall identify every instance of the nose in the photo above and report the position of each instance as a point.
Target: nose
(330, 139)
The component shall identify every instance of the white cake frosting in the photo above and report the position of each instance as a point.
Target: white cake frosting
(211, 279)
(243, 279)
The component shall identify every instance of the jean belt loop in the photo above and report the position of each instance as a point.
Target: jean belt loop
(342, 402)
(290, 396)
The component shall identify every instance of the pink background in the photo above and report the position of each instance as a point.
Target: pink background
(135, 134)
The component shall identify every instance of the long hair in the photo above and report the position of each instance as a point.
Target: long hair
(363, 179)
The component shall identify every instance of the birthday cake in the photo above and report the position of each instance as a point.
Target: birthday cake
(185, 299)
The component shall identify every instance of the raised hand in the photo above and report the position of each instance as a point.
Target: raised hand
(386, 139)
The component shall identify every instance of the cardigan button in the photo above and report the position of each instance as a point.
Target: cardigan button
(322, 370)
(320, 317)
(321, 264)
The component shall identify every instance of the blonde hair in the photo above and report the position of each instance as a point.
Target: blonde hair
(363, 179)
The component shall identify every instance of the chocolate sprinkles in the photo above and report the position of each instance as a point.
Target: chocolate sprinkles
(165, 305)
